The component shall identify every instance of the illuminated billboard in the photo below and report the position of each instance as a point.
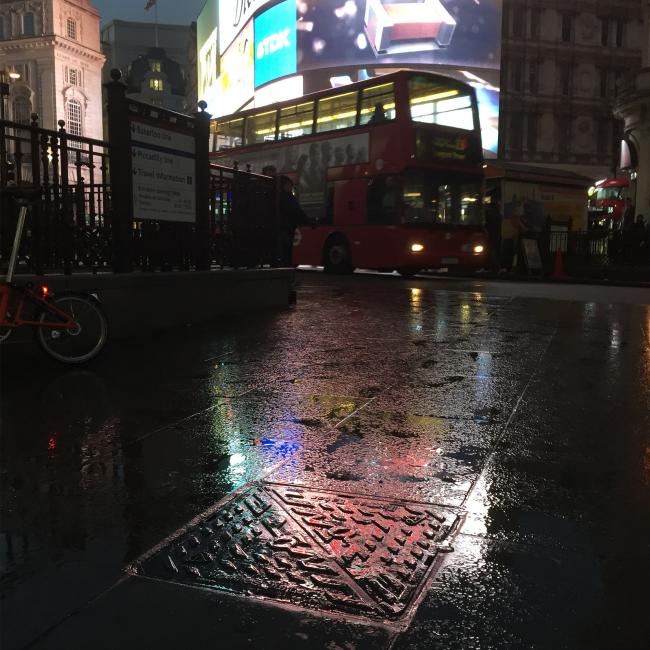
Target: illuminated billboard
(302, 46)
(275, 43)
(233, 15)
(236, 83)
(207, 52)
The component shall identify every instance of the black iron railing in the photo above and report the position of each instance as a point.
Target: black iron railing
(71, 226)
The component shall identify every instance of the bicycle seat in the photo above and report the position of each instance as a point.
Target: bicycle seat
(20, 193)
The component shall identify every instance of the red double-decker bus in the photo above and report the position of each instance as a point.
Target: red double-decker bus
(389, 169)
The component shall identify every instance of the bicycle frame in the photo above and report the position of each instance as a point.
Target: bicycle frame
(63, 320)
(27, 295)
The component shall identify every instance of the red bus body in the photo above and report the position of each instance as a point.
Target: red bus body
(607, 202)
(388, 186)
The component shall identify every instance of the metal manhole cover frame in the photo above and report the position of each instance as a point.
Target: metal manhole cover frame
(374, 616)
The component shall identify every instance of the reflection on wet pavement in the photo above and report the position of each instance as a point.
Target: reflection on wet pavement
(527, 418)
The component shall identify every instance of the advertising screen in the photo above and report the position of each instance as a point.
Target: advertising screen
(327, 43)
(233, 15)
(450, 33)
(207, 52)
(275, 43)
(236, 82)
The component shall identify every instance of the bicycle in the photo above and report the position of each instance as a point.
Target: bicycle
(71, 327)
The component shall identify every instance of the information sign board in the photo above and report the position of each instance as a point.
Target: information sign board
(164, 170)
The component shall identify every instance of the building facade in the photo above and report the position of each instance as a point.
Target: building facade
(54, 45)
(633, 106)
(561, 60)
(153, 60)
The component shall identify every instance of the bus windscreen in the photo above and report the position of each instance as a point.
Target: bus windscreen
(433, 199)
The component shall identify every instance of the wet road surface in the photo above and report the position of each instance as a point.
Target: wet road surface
(496, 437)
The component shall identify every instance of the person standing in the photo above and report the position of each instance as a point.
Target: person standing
(628, 214)
(290, 216)
(493, 225)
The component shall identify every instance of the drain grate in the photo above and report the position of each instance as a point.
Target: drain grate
(350, 554)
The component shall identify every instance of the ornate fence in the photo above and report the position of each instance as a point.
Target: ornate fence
(69, 227)
(73, 226)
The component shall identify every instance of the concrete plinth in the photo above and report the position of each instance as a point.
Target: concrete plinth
(137, 303)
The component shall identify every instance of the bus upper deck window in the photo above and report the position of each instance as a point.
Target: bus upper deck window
(260, 127)
(296, 120)
(434, 103)
(338, 112)
(378, 104)
(228, 134)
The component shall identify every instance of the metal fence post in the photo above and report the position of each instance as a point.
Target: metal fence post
(203, 232)
(120, 174)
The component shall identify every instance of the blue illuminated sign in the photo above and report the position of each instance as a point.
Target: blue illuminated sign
(275, 43)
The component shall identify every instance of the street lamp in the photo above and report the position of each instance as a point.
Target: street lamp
(6, 78)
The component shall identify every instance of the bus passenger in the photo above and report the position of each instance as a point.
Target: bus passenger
(379, 114)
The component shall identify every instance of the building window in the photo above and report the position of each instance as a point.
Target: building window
(2, 28)
(531, 136)
(535, 22)
(73, 113)
(567, 28)
(604, 31)
(516, 131)
(22, 110)
(518, 21)
(604, 82)
(157, 85)
(73, 76)
(620, 32)
(565, 134)
(156, 66)
(28, 24)
(603, 139)
(533, 77)
(71, 29)
(565, 79)
(517, 75)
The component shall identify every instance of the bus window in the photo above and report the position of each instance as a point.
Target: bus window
(338, 112)
(384, 200)
(260, 127)
(228, 134)
(378, 104)
(296, 120)
(433, 103)
(427, 200)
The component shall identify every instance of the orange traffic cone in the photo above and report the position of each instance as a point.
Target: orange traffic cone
(558, 266)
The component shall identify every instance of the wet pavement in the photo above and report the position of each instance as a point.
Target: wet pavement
(389, 464)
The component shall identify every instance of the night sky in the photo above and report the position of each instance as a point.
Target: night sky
(169, 11)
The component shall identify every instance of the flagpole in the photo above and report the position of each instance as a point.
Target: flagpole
(156, 19)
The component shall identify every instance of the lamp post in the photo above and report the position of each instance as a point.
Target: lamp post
(6, 78)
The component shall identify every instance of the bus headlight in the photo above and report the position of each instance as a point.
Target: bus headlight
(478, 249)
(417, 248)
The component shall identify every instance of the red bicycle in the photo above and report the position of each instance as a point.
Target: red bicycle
(70, 327)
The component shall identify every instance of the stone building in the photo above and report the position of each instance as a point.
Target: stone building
(154, 61)
(633, 106)
(54, 46)
(561, 60)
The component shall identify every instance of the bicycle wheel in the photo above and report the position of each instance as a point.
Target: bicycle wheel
(82, 343)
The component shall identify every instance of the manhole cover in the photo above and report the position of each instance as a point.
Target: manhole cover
(351, 554)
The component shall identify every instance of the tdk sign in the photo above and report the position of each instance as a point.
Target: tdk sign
(275, 43)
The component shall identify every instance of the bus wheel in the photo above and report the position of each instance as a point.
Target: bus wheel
(337, 256)
(408, 273)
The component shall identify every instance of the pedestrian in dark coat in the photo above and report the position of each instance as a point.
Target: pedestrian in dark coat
(290, 216)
